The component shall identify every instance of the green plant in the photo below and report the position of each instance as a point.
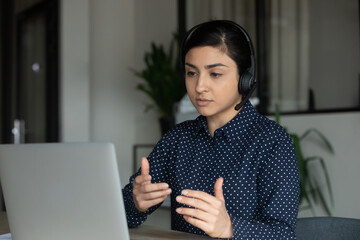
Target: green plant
(310, 189)
(162, 81)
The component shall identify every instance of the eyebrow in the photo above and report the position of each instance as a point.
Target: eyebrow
(207, 66)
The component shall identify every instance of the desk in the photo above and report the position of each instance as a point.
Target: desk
(141, 233)
(152, 233)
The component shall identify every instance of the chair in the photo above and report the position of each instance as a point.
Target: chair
(328, 228)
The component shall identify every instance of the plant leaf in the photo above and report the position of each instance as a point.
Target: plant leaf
(312, 188)
(322, 199)
(317, 189)
(162, 81)
(322, 137)
(309, 188)
(306, 196)
(321, 160)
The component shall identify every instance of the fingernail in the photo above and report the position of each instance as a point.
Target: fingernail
(179, 210)
(168, 191)
(178, 198)
(165, 185)
(185, 192)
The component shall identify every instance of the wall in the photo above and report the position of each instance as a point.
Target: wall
(313, 44)
(74, 70)
(334, 53)
(1, 194)
(159, 30)
(100, 42)
(1, 84)
(288, 55)
(111, 96)
(343, 132)
(99, 100)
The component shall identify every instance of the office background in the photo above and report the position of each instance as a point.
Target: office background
(101, 40)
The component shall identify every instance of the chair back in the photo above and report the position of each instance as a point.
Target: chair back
(328, 228)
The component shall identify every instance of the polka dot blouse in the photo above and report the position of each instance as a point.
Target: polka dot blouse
(253, 154)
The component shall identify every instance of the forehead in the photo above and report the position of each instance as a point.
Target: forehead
(207, 55)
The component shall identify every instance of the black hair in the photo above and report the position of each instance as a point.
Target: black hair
(226, 35)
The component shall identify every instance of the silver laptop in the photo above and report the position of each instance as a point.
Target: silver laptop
(62, 191)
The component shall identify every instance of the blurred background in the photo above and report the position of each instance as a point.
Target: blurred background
(66, 76)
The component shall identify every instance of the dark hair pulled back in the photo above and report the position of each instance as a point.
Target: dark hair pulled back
(226, 35)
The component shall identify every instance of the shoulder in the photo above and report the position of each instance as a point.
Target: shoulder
(274, 144)
(256, 126)
(268, 129)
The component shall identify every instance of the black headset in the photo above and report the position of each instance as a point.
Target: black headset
(247, 82)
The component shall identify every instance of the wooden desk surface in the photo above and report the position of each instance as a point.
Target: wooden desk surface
(141, 233)
(145, 232)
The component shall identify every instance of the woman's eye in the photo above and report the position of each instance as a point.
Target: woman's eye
(190, 74)
(216, 75)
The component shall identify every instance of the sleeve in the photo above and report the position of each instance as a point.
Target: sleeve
(158, 161)
(278, 196)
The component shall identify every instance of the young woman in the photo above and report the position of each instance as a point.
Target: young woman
(231, 172)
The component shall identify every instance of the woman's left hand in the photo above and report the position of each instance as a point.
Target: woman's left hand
(209, 212)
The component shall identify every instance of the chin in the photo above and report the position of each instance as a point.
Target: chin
(204, 112)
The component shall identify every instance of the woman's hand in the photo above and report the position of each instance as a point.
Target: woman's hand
(145, 193)
(209, 213)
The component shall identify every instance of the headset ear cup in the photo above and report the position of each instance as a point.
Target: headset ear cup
(245, 83)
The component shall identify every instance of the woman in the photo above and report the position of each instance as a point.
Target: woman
(231, 173)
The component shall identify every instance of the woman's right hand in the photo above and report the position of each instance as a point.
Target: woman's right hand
(145, 193)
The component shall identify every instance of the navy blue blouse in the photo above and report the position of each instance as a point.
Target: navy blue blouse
(253, 154)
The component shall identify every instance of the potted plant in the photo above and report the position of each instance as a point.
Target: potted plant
(162, 82)
(310, 190)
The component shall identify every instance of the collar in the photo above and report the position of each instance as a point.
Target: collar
(236, 128)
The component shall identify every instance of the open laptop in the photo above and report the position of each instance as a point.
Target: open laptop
(62, 191)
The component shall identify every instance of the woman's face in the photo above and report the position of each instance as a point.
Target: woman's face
(212, 83)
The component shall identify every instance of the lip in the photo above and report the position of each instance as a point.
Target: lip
(202, 102)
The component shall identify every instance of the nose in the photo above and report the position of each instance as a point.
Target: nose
(201, 84)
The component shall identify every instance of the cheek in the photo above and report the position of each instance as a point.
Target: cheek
(228, 88)
(189, 87)
(191, 92)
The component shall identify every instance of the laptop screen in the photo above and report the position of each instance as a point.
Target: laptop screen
(62, 191)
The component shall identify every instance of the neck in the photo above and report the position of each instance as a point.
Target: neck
(216, 123)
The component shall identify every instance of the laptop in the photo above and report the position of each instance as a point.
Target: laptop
(62, 191)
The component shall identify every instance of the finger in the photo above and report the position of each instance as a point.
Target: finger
(145, 167)
(157, 194)
(153, 187)
(196, 213)
(193, 202)
(203, 221)
(142, 206)
(197, 223)
(218, 189)
(198, 195)
(142, 179)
